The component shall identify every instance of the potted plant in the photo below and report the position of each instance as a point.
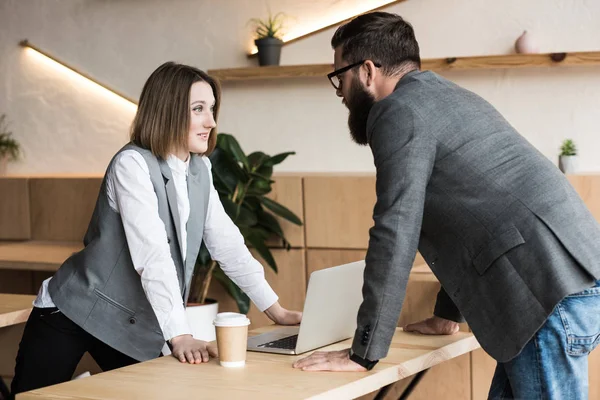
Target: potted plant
(568, 157)
(268, 37)
(10, 149)
(242, 181)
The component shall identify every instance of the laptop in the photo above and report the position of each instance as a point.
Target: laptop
(332, 301)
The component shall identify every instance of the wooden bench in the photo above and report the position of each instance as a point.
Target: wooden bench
(42, 222)
(15, 308)
(34, 255)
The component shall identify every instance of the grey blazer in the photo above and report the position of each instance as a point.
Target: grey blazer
(499, 225)
(100, 290)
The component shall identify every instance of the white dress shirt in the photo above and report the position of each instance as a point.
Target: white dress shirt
(130, 193)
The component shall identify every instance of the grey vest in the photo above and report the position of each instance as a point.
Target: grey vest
(100, 290)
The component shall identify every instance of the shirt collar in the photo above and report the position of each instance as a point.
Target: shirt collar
(178, 166)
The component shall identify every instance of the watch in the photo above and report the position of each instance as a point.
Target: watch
(368, 364)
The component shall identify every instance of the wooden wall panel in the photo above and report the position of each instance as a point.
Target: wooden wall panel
(289, 284)
(483, 367)
(16, 282)
(38, 278)
(287, 190)
(588, 187)
(61, 208)
(317, 259)
(14, 209)
(594, 374)
(448, 380)
(10, 337)
(339, 211)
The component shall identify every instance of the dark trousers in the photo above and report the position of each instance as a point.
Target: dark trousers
(52, 346)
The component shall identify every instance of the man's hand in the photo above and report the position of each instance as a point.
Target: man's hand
(282, 316)
(188, 349)
(433, 326)
(329, 361)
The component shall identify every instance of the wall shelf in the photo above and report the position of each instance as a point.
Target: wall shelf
(434, 64)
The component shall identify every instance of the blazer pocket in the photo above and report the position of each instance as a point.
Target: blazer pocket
(499, 245)
(114, 302)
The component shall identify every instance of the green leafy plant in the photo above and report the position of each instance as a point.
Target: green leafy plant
(568, 148)
(9, 147)
(270, 27)
(242, 181)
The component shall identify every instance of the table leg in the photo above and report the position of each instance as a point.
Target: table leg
(411, 386)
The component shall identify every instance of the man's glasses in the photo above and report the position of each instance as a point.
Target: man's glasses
(334, 77)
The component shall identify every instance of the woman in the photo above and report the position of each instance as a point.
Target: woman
(123, 295)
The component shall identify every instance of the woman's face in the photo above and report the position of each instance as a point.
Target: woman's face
(202, 121)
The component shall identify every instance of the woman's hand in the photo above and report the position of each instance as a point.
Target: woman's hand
(188, 349)
(282, 316)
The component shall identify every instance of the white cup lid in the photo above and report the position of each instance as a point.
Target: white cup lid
(231, 319)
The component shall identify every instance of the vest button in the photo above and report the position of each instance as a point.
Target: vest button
(169, 240)
(132, 320)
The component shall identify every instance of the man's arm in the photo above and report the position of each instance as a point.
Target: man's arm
(404, 155)
(445, 320)
(445, 308)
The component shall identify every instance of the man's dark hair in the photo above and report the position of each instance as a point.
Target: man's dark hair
(381, 37)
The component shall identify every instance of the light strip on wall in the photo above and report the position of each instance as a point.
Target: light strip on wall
(303, 31)
(80, 77)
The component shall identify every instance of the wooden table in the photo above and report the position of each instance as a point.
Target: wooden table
(266, 376)
(32, 255)
(14, 309)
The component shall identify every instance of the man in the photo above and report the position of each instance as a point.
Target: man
(499, 225)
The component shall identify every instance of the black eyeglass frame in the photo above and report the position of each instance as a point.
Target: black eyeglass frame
(337, 72)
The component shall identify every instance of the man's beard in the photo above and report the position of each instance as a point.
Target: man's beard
(359, 104)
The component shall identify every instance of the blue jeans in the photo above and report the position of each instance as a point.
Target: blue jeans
(554, 363)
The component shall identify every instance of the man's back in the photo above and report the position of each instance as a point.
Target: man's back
(503, 230)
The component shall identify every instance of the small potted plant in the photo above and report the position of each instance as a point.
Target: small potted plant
(268, 38)
(10, 149)
(568, 157)
(243, 182)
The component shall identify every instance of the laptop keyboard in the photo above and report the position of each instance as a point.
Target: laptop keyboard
(287, 343)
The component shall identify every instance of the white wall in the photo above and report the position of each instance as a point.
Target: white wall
(67, 127)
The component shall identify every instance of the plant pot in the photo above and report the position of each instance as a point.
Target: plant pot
(269, 50)
(200, 318)
(567, 164)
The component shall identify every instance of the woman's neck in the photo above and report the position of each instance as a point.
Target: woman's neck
(182, 155)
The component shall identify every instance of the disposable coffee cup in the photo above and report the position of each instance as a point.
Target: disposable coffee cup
(232, 338)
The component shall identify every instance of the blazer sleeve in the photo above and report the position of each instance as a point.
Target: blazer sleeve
(445, 308)
(404, 155)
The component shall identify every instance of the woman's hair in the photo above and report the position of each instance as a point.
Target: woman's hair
(162, 121)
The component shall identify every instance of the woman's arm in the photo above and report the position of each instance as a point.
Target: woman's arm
(226, 245)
